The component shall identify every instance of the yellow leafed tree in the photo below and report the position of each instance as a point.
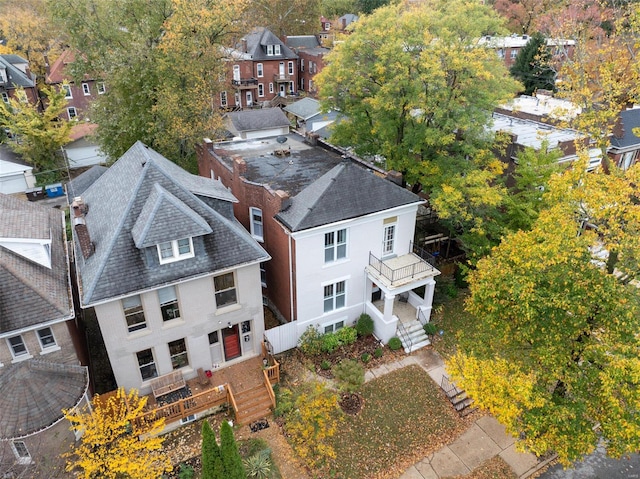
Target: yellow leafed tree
(116, 441)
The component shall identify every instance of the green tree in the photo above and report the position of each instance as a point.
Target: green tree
(118, 439)
(337, 8)
(40, 135)
(553, 353)
(231, 460)
(533, 66)
(286, 17)
(416, 89)
(161, 62)
(212, 467)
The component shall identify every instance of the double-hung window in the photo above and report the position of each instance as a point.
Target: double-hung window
(169, 303)
(18, 348)
(5, 96)
(225, 290)
(259, 70)
(290, 68)
(134, 314)
(335, 245)
(101, 88)
(178, 353)
(334, 296)
(72, 112)
(46, 338)
(223, 98)
(175, 250)
(255, 216)
(67, 91)
(389, 236)
(260, 89)
(147, 364)
(85, 89)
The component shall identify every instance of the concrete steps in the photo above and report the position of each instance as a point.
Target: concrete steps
(253, 404)
(416, 334)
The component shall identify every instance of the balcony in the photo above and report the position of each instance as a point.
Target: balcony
(245, 83)
(402, 270)
(280, 78)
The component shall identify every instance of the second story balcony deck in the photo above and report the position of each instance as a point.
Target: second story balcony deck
(281, 77)
(245, 83)
(401, 270)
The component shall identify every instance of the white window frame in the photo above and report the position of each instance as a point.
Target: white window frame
(389, 238)
(23, 457)
(260, 90)
(327, 26)
(269, 50)
(256, 224)
(5, 97)
(175, 250)
(335, 245)
(276, 49)
(334, 296)
(333, 327)
(18, 356)
(168, 297)
(85, 89)
(290, 68)
(101, 88)
(223, 98)
(302, 64)
(270, 87)
(68, 94)
(310, 86)
(3, 75)
(135, 308)
(145, 365)
(175, 364)
(263, 275)
(223, 290)
(72, 112)
(500, 52)
(44, 336)
(259, 70)
(513, 53)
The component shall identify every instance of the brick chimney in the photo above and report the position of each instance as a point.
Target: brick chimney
(244, 45)
(239, 165)
(618, 128)
(80, 209)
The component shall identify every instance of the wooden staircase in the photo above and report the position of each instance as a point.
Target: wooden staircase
(457, 397)
(253, 404)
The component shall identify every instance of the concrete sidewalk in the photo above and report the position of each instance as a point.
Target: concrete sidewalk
(484, 439)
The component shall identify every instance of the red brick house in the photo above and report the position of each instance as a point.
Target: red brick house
(14, 75)
(261, 68)
(311, 55)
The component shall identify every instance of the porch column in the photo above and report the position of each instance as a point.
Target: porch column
(427, 300)
(388, 306)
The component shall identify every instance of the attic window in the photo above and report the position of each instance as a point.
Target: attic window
(175, 250)
(273, 50)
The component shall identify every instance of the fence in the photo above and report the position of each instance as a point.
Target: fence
(283, 338)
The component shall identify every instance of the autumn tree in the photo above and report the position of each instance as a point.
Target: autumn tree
(533, 66)
(553, 353)
(212, 467)
(231, 460)
(521, 15)
(286, 17)
(117, 439)
(161, 62)
(416, 89)
(37, 136)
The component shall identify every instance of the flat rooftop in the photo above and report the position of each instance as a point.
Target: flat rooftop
(293, 171)
(532, 133)
(543, 105)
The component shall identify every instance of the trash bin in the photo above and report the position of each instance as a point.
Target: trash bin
(54, 190)
(34, 194)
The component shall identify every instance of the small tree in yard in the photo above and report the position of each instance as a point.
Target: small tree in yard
(350, 375)
(231, 460)
(117, 441)
(212, 467)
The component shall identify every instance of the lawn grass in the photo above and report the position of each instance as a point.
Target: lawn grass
(405, 416)
(450, 317)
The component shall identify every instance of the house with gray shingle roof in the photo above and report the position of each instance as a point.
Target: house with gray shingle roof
(339, 233)
(258, 123)
(40, 370)
(173, 278)
(15, 76)
(624, 143)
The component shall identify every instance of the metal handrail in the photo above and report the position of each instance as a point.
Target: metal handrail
(422, 253)
(421, 317)
(398, 274)
(403, 332)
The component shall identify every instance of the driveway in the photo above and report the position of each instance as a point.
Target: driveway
(598, 466)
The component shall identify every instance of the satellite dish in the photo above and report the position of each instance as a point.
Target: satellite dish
(281, 139)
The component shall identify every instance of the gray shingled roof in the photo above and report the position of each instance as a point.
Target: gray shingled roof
(303, 41)
(164, 218)
(116, 201)
(305, 108)
(30, 293)
(35, 392)
(346, 191)
(257, 41)
(15, 76)
(81, 182)
(264, 118)
(630, 120)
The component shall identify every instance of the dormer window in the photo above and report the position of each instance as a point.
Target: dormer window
(175, 250)
(273, 50)
(3, 75)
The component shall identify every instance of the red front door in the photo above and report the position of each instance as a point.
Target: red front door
(231, 338)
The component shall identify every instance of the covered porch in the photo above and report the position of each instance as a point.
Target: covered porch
(390, 300)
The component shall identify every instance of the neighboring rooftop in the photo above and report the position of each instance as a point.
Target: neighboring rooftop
(543, 106)
(253, 120)
(35, 392)
(256, 46)
(532, 133)
(630, 120)
(304, 109)
(519, 41)
(16, 71)
(34, 270)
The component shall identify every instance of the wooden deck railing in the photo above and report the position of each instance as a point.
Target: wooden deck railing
(232, 400)
(267, 384)
(188, 406)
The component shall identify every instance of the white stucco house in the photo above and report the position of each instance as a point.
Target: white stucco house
(174, 279)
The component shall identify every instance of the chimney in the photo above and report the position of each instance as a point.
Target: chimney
(285, 200)
(395, 177)
(239, 165)
(618, 128)
(244, 45)
(79, 209)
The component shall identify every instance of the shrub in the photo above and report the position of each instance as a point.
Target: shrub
(231, 460)
(364, 326)
(349, 374)
(346, 335)
(284, 402)
(430, 329)
(378, 353)
(212, 466)
(365, 357)
(325, 365)
(259, 465)
(310, 343)
(329, 342)
(186, 471)
(394, 344)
